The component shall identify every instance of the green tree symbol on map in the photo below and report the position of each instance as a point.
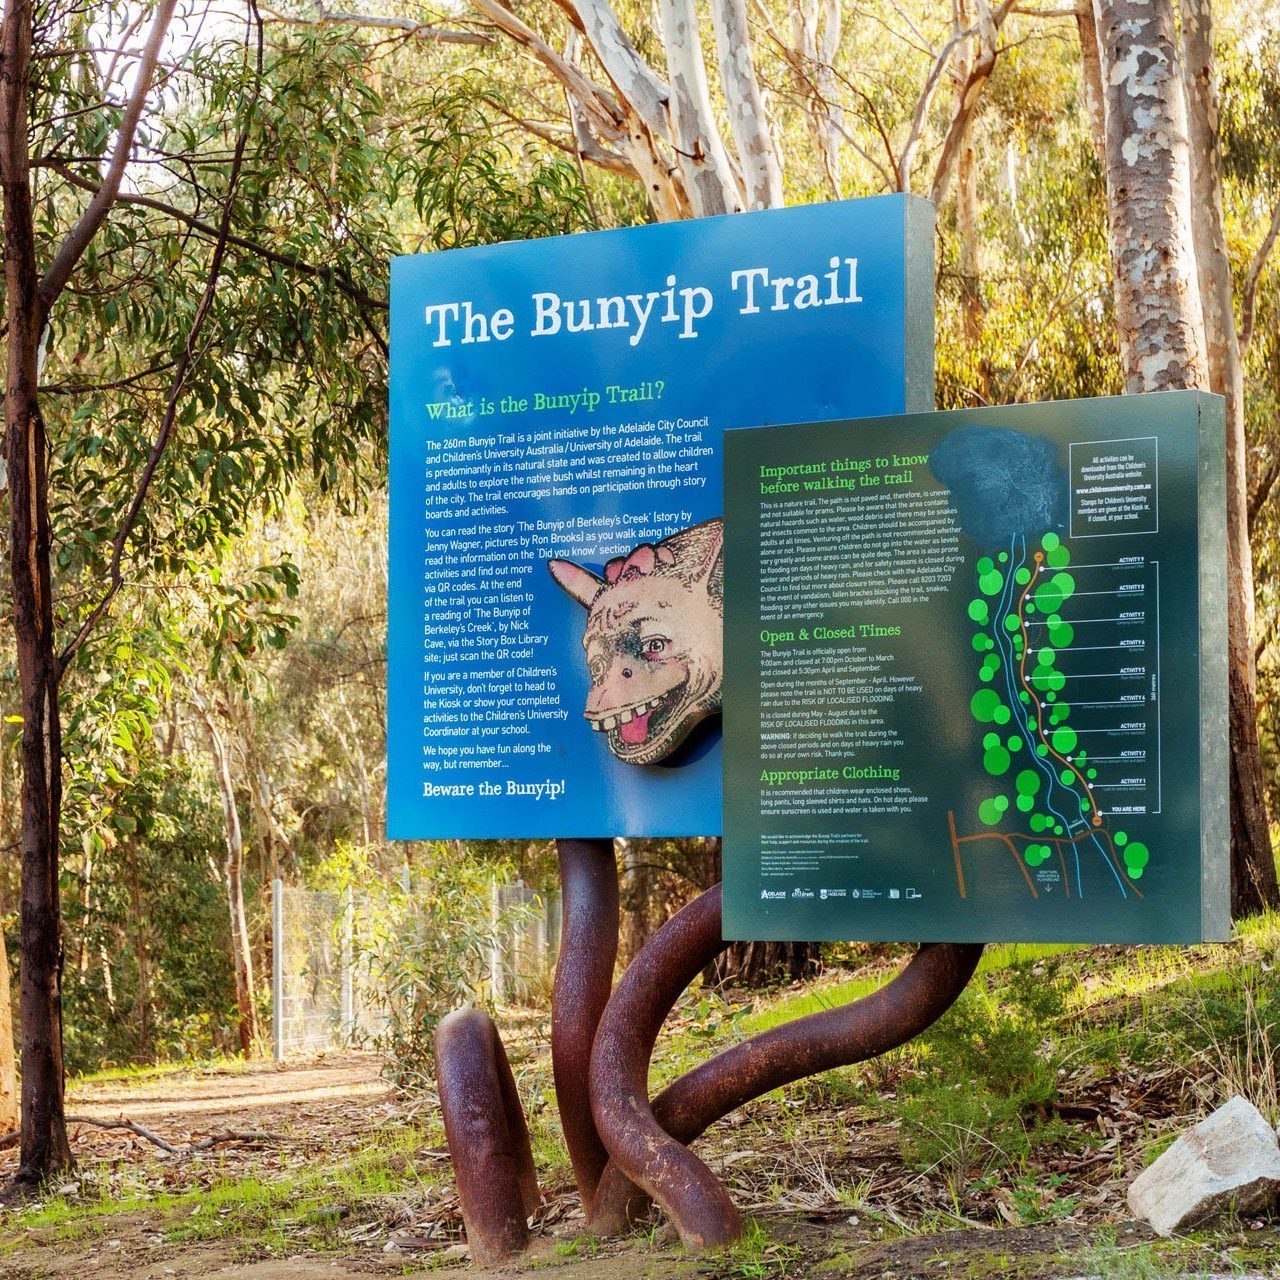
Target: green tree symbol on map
(1040, 771)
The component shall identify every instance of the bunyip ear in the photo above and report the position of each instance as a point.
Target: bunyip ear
(576, 581)
(710, 554)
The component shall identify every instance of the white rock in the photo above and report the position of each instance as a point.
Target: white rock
(1231, 1160)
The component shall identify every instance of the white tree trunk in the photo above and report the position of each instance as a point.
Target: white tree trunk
(241, 955)
(632, 76)
(709, 178)
(762, 174)
(1157, 296)
(833, 116)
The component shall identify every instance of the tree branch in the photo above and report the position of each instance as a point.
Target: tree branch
(980, 70)
(1262, 491)
(1253, 277)
(593, 100)
(924, 103)
(329, 274)
(631, 75)
(582, 143)
(421, 30)
(86, 227)
(747, 120)
(178, 382)
(189, 1148)
(710, 180)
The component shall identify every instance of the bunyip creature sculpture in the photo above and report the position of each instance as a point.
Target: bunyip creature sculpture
(654, 640)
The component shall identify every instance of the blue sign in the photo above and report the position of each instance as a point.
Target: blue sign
(557, 416)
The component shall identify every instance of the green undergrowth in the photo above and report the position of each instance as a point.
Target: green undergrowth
(974, 1107)
(131, 1074)
(976, 1095)
(264, 1211)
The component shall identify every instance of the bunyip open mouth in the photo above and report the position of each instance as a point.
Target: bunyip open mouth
(635, 729)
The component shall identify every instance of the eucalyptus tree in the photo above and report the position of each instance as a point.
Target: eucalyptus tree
(198, 218)
(169, 248)
(1175, 311)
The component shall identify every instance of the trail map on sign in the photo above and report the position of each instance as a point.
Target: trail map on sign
(978, 693)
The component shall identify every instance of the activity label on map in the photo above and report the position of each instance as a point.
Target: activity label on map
(975, 683)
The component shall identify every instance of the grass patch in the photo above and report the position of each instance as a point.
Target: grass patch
(184, 1067)
(756, 1256)
(817, 1000)
(260, 1211)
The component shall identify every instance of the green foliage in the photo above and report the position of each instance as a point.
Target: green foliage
(147, 976)
(1032, 1199)
(283, 408)
(988, 1074)
(461, 184)
(424, 948)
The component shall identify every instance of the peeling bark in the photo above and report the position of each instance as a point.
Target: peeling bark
(1149, 198)
(635, 120)
(634, 79)
(761, 171)
(709, 178)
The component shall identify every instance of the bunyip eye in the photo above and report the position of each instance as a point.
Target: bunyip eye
(654, 646)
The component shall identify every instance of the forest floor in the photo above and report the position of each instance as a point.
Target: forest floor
(998, 1147)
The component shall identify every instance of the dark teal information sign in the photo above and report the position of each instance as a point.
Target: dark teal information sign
(975, 676)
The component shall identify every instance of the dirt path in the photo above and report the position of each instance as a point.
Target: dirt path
(261, 1096)
(162, 1216)
(312, 1114)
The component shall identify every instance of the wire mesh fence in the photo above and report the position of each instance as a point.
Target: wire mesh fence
(311, 972)
(323, 995)
(526, 932)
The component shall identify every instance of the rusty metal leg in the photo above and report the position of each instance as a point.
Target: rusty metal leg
(618, 1202)
(925, 988)
(487, 1136)
(584, 978)
(667, 1170)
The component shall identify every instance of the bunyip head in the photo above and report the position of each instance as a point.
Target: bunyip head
(654, 640)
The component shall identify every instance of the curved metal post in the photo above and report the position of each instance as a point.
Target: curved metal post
(648, 1144)
(584, 978)
(691, 1194)
(601, 1049)
(488, 1139)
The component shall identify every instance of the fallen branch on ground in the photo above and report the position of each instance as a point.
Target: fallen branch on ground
(187, 1149)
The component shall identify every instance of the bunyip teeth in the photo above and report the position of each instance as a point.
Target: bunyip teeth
(625, 717)
(610, 723)
(598, 725)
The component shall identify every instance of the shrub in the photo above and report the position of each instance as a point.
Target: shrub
(987, 1075)
(419, 951)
